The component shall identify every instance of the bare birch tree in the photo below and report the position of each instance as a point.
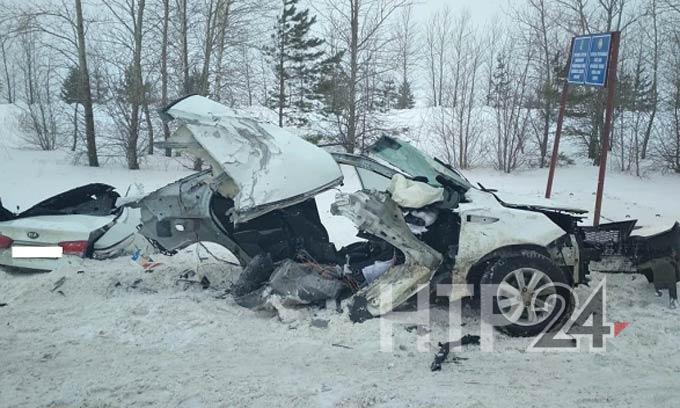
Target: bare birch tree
(131, 97)
(459, 124)
(406, 43)
(669, 146)
(65, 24)
(165, 33)
(86, 89)
(437, 37)
(653, 34)
(509, 100)
(541, 24)
(362, 26)
(7, 72)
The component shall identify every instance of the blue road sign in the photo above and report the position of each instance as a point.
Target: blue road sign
(599, 60)
(579, 61)
(590, 60)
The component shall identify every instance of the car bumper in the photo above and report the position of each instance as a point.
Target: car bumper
(39, 264)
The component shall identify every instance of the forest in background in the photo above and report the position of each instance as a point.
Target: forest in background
(90, 75)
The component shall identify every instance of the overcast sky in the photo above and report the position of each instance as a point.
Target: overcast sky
(481, 11)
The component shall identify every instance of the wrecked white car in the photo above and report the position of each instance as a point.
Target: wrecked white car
(422, 221)
(80, 223)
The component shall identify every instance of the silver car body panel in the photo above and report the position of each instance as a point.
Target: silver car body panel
(178, 215)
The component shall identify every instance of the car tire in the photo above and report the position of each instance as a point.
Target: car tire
(531, 294)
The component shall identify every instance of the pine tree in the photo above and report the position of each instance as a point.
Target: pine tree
(638, 97)
(100, 90)
(72, 93)
(297, 59)
(71, 90)
(388, 97)
(332, 88)
(500, 85)
(405, 96)
(127, 91)
(193, 82)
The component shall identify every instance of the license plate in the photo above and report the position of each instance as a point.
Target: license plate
(37, 252)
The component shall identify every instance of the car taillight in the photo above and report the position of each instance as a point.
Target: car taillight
(5, 242)
(78, 248)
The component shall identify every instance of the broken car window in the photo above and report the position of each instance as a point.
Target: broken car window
(412, 161)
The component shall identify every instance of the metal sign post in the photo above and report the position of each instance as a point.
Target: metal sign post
(611, 94)
(560, 122)
(593, 61)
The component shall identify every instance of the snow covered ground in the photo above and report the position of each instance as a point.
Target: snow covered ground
(114, 336)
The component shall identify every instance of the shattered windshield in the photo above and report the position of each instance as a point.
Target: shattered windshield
(412, 161)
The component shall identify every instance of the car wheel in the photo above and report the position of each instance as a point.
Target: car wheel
(530, 294)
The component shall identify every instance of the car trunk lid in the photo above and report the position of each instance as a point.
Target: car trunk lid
(52, 229)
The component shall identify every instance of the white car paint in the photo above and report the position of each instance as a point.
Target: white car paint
(486, 225)
(120, 236)
(259, 165)
(50, 230)
(125, 226)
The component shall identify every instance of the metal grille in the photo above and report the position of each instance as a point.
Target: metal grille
(610, 238)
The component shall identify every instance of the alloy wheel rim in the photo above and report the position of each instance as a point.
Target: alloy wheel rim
(526, 296)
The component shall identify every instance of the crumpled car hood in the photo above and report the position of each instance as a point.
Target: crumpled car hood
(261, 165)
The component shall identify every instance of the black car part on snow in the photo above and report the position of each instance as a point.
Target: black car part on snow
(90, 199)
(655, 256)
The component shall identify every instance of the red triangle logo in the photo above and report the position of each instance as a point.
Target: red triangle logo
(619, 327)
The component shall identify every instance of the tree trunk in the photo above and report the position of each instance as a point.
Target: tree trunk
(433, 73)
(470, 103)
(208, 49)
(350, 143)
(441, 72)
(138, 94)
(87, 93)
(149, 125)
(655, 82)
(10, 97)
(676, 116)
(547, 114)
(184, 35)
(282, 79)
(75, 127)
(547, 107)
(29, 45)
(223, 7)
(164, 69)
(184, 57)
(597, 121)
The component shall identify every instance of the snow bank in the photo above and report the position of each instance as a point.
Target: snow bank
(117, 337)
(11, 134)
